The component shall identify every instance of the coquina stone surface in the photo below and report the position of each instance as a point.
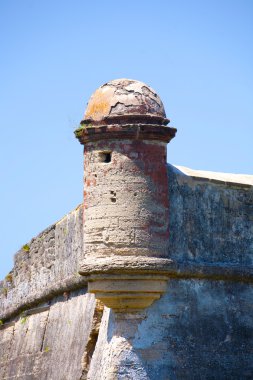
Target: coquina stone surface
(196, 331)
(201, 328)
(46, 344)
(45, 266)
(168, 249)
(125, 201)
(125, 135)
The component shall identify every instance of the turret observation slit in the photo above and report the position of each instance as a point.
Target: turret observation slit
(105, 157)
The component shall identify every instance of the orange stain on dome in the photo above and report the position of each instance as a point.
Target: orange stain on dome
(99, 105)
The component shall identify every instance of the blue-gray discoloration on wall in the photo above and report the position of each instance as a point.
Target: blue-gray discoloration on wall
(199, 330)
(209, 222)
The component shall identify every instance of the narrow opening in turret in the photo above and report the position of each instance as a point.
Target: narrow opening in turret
(113, 198)
(105, 157)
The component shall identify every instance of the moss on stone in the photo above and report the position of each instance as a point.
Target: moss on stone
(26, 248)
(9, 278)
(23, 320)
(79, 131)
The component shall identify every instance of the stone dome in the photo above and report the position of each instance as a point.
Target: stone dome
(124, 101)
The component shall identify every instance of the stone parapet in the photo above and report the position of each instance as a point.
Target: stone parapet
(45, 267)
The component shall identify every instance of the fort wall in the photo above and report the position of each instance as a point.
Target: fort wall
(202, 327)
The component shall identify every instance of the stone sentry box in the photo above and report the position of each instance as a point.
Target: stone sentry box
(126, 218)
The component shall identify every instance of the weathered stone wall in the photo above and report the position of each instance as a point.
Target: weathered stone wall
(202, 328)
(211, 221)
(198, 330)
(45, 267)
(49, 342)
(125, 199)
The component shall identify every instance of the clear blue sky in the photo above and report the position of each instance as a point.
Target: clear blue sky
(198, 55)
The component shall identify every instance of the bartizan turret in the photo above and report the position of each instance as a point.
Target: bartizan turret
(126, 205)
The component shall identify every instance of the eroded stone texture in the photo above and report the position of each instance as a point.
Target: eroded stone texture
(6, 340)
(124, 134)
(123, 97)
(46, 266)
(125, 200)
(202, 328)
(210, 222)
(49, 344)
(199, 330)
(141, 224)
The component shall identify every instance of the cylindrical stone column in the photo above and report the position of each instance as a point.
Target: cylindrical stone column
(125, 193)
(125, 198)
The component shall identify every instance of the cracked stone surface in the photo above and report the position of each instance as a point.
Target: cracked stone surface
(124, 97)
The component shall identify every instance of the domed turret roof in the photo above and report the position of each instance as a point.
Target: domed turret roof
(124, 100)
